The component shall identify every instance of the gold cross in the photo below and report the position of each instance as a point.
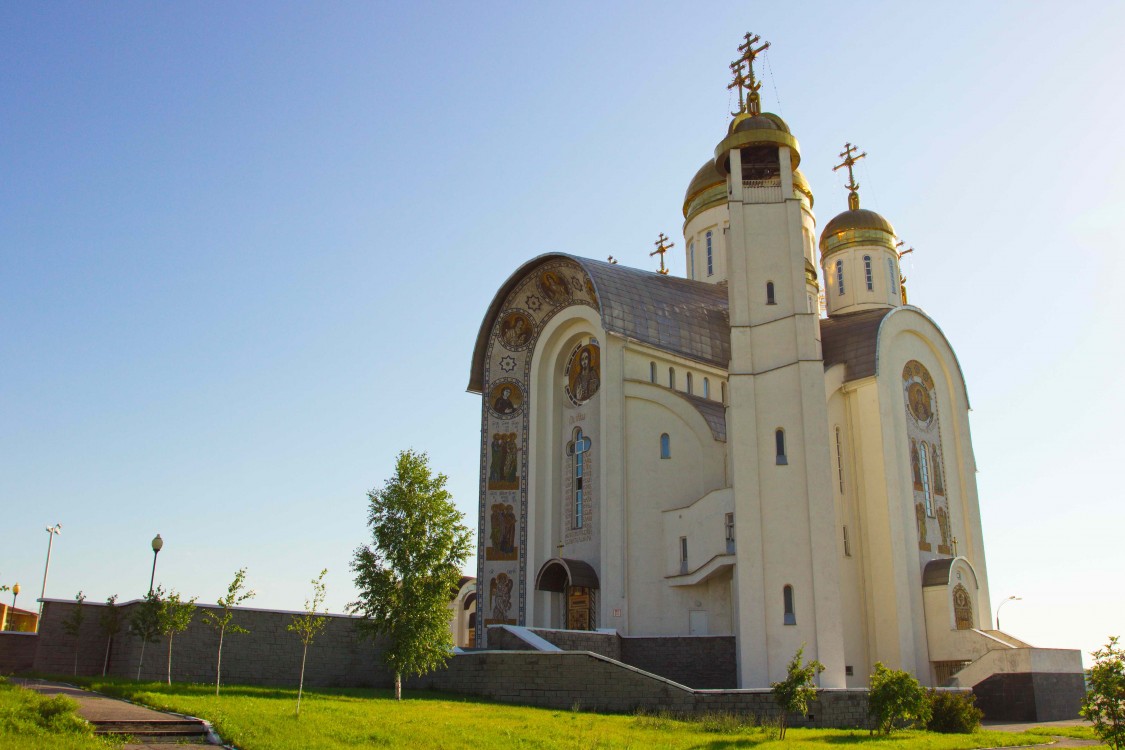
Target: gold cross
(849, 161)
(901, 253)
(661, 248)
(752, 102)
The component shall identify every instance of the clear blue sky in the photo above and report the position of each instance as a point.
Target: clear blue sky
(245, 249)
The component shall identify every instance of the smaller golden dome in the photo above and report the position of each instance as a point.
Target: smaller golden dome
(801, 184)
(855, 227)
(764, 121)
(707, 188)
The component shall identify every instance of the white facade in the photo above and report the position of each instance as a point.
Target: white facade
(705, 456)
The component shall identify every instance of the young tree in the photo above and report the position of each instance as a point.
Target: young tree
(72, 625)
(797, 689)
(110, 623)
(1104, 704)
(175, 616)
(222, 622)
(145, 622)
(895, 698)
(307, 626)
(405, 577)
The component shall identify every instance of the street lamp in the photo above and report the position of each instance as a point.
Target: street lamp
(1009, 599)
(157, 543)
(15, 593)
(51, 532)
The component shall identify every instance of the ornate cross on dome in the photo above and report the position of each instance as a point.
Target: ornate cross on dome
(661, 248)
(751, 103)
(849, 161)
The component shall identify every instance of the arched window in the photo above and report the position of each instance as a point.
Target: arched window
(892, 288)
(710, 256)
(706, 388)
(769, 294)
(723, 390)
(671, 377)
(665, 446)
(691, 258)
(578, 449)
(840, 459)
(690, 385)
(779, 440)
(787, 597)
(652, 372)
(867, 273)
(840, 277)
(924, 469)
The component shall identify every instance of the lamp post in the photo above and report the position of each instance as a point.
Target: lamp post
(51, 532)
(1009, 599)
(157, 544)
(15, 593)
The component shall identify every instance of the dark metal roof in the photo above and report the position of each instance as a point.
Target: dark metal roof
(936, 572)
(713, 411)
(852, 340)
(560, 572)
(676, 315)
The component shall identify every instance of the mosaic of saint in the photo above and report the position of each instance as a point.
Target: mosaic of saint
(503, 534)
(516, 330)
(926, 466)
(500, 599)
(554, 287)
(583, 373)
(962, 608)
(503, 466)
(505, 398)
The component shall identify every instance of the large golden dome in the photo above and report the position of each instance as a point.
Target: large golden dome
(708, 187)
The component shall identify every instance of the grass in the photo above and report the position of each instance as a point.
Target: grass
(1076, 732)
(257, 718)
(29, 721)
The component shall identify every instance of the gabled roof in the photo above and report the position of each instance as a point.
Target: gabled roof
(681, 316)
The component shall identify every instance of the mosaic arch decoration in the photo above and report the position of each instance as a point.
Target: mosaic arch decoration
(927, 464)
(542, 294)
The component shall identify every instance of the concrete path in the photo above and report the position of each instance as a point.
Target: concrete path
(153, 729)
(1058, 741)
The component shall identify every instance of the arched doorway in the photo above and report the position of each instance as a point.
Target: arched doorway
(578, 584)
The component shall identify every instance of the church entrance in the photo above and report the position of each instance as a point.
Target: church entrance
(577, 581)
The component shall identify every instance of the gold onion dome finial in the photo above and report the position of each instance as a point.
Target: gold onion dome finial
(856, 226)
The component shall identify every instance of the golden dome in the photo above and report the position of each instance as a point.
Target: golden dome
(763, 121)
(801, 184)
(705, 181)
(856, 227)
(765, 129)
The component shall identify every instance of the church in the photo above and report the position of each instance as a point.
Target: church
(714, 455)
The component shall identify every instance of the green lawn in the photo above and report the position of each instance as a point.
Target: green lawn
(263, 719)
(28, 721)
(1077, 732)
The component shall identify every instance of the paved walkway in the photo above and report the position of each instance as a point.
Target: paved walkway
(103, 711)
(1058, 740)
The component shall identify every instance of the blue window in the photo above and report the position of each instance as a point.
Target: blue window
(579, 448)
(839, 277)
(706, 388)
(665, 446)
(690, 386)
(867, 273)
(652, 372)
(710, 256)
(671, 377)
(892, 287)
(691, 256)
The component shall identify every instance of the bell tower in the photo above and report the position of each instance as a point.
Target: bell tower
(786, 582)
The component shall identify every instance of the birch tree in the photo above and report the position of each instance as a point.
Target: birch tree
(307, 626)
(222, 622)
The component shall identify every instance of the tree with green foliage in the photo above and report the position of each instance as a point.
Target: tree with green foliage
(405, 577)
(307, 626)
(222, 622)
(72, 625)
(145, 622)
(896, 699)
(175, 616)
(794, 692)
(1104, 704)
(109, 623)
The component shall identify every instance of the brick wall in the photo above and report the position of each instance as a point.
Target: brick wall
(696, 661)
(268, 655)
(17, 652)
(606, 644)
(1031, 696)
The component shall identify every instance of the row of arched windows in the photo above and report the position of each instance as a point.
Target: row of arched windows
(868, 277)
(653, 376)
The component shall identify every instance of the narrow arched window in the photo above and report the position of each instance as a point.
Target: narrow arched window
(706, 388)
(769, 294)
(665, 446)
(690, 385)
(892, 290)
(652, 372)
(839, 277)
(779, 440)
(691, 256)
(578, 450)
(924, 470)
(787, 598)
(710, 256)
(839, 459)
(867, 273)
(671, 377)
(723, 390)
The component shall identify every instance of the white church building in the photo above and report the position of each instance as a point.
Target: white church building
(713, 455)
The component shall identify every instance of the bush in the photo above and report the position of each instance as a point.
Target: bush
(953, 713)
(896, 700)
(1104, 704)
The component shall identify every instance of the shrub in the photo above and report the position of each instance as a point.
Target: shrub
(953, 713)
(896, 700)
(1104, 704)
(794, 692)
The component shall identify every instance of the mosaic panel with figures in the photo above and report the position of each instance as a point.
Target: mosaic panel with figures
(502, 528)
(927, 464)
